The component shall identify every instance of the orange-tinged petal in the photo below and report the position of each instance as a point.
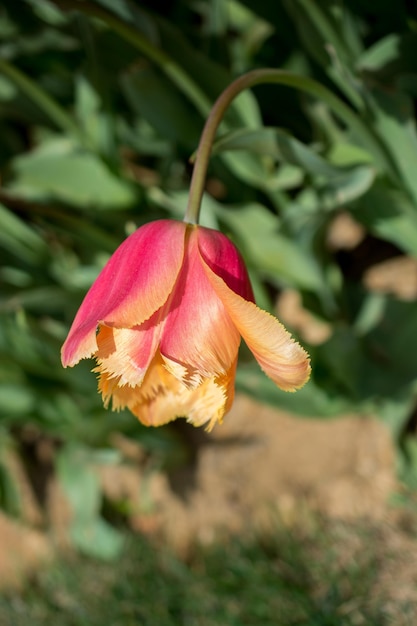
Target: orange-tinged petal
(136, 282)
(125, 353)
(163, 398)
(111, 391)
(210, 402)
(280, 357)
(157, 381)
(205, 404)
(198, 332)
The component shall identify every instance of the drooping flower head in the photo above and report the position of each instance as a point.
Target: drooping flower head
(164, 321)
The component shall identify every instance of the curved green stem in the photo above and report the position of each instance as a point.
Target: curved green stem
(289, 79)
(40, 97)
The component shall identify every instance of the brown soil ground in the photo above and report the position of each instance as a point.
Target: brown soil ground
(259, 466)
(262, 463)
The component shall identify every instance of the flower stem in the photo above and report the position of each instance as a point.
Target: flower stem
(282, 77)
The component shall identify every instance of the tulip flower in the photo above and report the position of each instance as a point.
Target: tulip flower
(165, 317)
(164, 321)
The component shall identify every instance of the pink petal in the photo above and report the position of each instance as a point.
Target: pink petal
(198, 332)
(280, 357)
(136, 282)
(224, 259)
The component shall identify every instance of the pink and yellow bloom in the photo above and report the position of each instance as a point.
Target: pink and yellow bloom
(164, 321)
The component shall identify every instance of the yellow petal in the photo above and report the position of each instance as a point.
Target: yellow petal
(163, 398)
(210, 402)
(125, 353)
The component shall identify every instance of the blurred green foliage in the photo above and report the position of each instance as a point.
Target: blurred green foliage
(262, 580)
(101, 106)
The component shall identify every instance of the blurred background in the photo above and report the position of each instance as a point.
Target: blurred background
(301, 509)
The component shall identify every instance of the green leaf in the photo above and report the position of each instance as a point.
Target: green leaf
(15, 276)
(393, 120)
(310, 401)
(19, 239)
(252, 170)
(392, 343)
(345, 364)
(79, 482)
(97, 539)
(129, 13)
(323, 34)
(342, 154)
(395, 412)
(370, 313)
(247, 109)
(149, 93)
(347, 187)
(48, 12)
(268, 250)
(379, 365)
(16, 400)
(49, 299)
(89, 532)
(278, 144)
(8, 90)
(389, 214)
(343, 184)
(288, 177)
(87, 103)
(56, 170)
(381, 53)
